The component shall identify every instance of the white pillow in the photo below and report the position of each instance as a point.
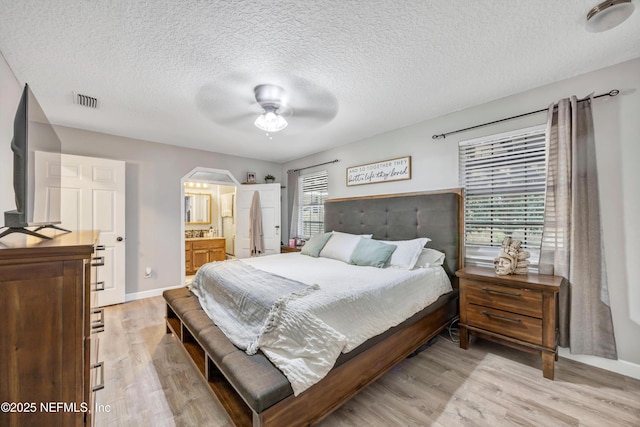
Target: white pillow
(407, 252)
(341, 245)
(430, 258)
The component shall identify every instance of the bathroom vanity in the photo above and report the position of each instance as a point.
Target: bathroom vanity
(201, 250)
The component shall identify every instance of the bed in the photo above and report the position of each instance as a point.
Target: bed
(254, 392)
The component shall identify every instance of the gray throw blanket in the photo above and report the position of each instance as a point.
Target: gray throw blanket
(244, 301)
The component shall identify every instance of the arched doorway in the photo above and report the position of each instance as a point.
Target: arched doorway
(207, 210)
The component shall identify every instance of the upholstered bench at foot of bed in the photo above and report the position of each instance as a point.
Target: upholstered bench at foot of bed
(253, 378)
(256, 393)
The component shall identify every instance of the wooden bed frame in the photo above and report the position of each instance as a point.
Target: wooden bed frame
(347, 379)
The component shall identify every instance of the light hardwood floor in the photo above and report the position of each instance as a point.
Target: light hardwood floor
(149, 380)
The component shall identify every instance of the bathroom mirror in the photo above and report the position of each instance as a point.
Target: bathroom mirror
(197, 208)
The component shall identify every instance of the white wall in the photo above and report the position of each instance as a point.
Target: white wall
(435, 166)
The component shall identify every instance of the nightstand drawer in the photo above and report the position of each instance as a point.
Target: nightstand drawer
(515, 300)
(513, 325)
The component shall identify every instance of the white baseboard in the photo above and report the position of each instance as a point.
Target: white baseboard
(148, 294)
(618, 366)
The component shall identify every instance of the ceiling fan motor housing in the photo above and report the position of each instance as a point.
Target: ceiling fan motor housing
(270, 97)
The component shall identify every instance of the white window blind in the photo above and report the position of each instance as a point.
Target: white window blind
(314, 190)
(504, 180)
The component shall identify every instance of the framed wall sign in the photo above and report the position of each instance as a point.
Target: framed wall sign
(386, 171)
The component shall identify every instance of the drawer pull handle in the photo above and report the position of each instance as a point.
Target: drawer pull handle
(98, 324)
(499, 316)
(99, 286)
(493, 291)
(97, 261)
(100, 385)
(100, 248)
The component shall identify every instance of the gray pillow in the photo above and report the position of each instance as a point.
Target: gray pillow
(341, 245)
(372, 253)
(315, 244)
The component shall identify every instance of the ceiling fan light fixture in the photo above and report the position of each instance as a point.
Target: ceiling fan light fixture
(270, 121)
(608, 14)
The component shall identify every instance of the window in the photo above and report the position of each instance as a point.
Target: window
(504, 181)
(314, 190)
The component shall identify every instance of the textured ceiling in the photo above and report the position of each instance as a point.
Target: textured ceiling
(183, 72)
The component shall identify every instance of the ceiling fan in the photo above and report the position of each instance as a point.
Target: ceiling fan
(272, 100)
(302, 106)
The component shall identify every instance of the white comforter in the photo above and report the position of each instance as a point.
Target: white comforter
(352, 304)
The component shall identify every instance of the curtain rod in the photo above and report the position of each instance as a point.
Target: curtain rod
(313, 166)
(613, 92)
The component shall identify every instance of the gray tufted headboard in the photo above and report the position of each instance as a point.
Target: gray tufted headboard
(436, 215)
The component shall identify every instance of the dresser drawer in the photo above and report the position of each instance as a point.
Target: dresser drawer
(93, 298)
(200, 244)
(96, 373)
(515, 300)
(506, 323)
(95, 348)
(207, 244)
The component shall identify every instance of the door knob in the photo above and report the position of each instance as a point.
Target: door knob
(119, 239)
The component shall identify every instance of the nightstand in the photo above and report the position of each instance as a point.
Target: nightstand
(515, 310)
(284, 248)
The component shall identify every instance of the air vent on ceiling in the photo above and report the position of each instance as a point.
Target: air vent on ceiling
(85, 100)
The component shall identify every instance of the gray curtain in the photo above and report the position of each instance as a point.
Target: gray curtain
(572, 244)
(292, 201)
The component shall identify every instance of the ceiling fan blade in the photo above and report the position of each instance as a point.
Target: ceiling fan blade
(321, 113)
(241, 119)
(221, 105)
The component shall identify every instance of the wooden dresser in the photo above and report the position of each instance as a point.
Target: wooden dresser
(198, 252)
(515, 310)
(46, 351)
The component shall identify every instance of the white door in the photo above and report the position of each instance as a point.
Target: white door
(270, 203)
(92, 197)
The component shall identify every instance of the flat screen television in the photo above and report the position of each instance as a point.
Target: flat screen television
(37, 200)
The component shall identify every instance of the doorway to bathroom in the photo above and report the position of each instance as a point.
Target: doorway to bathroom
(208, 217)
(216, 217)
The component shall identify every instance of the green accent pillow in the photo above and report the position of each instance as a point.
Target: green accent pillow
(315, 244)
(372, 253)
